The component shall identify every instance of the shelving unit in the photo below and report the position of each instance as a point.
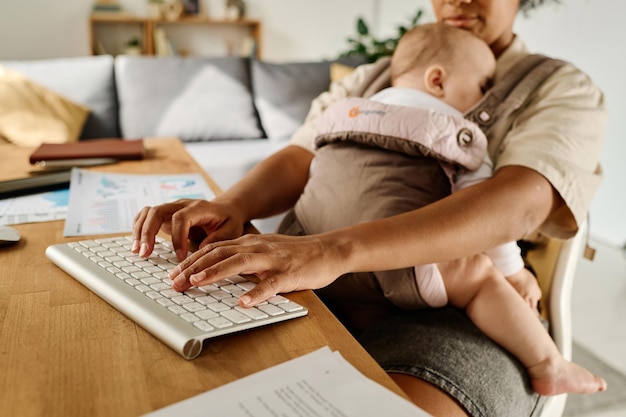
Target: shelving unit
(144, 28)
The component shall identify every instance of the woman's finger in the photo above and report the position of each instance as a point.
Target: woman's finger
(263, 290)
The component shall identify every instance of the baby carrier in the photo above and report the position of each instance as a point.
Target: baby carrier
(356, 178)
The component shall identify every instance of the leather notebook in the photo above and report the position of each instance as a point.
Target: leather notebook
(116, 149)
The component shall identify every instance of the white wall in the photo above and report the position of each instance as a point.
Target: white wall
(585, 32)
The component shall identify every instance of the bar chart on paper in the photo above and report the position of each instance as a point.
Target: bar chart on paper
(105, 203)
(40, 207)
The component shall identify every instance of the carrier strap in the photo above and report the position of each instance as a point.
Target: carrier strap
(512, 91)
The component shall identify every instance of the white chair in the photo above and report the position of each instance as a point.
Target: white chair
(555, 265)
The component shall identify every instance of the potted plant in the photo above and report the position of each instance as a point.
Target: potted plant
(133, 46)
(370, 48)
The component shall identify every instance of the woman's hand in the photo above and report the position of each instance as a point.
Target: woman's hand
(281, 264)
(185, 219)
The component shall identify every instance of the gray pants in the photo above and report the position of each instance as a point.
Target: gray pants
(441, 346)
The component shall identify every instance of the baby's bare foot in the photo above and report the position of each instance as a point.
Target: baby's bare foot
(558, 376)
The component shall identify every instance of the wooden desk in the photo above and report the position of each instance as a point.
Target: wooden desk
(65, 352)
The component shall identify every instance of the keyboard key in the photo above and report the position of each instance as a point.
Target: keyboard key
(193, 307)
(235, 316)
(219, 295)
(177, 309)
(253, 313)
(217, 307)
(277, 299)
(204, 326)
(165, 302)
(153, 295)
(189, 317)
(206, 314)
(271, 309)
(290, 306)
(182, 299)
(194, 293)
(220, 322)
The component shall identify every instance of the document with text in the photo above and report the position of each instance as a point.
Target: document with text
(34, 208)
(319, 384)
(106, 203)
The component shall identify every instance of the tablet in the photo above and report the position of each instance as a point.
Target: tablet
(35, 184)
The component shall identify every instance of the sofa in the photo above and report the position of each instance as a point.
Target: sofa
(230, 112)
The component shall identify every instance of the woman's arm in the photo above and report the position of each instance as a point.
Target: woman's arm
(510, 205)
(272, 186)
(269, 188)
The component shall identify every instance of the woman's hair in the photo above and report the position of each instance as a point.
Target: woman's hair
(428, 44)
(527, 5)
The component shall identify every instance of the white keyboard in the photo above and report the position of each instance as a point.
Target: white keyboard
(141, 289)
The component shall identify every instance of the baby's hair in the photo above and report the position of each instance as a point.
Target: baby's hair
(526, 5)
(432, 43)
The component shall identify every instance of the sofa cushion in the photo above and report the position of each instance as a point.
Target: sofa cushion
(195, 99)
(31, 114)
(84, 80)
(283, 93)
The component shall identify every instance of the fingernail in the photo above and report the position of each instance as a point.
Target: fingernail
(196, 279)
(179, 281)
(181, 254)
(135, 246)
(245, 299)
(175, 272)
(143, 251)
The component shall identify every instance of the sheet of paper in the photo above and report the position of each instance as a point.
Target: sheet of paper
(41, 207)
(105, 203)
(319, 384)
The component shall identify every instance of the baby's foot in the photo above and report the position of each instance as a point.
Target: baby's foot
(552, 377)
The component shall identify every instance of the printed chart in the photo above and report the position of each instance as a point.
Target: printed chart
(104, 203)
(41, 207)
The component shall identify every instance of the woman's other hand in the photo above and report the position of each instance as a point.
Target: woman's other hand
(185, 219)
(281, 264)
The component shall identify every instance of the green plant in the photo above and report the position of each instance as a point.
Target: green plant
(133, 42)
(367, 46)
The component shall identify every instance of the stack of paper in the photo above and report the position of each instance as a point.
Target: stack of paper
(107, 203)
(320, 384)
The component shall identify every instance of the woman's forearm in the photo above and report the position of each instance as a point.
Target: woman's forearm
(272, 186)
(509, 206)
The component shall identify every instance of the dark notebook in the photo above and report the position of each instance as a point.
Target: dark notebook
(117, 149)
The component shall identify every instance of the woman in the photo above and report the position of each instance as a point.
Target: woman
(546, 171)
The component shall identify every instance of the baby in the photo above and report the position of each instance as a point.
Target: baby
(438, 73)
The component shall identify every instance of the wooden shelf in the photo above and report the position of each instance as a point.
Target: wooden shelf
(146, 27)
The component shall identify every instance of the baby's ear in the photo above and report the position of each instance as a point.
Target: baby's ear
(434, 78)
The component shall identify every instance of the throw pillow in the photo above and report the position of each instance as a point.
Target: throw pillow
(192, 98)
(86, 80)
(338, 71)
(283, 93)
(31, 114)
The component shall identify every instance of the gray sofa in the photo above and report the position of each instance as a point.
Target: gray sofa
(230, 112)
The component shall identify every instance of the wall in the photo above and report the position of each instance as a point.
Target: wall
(581, 31)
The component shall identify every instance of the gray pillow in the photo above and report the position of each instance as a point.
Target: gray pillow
(283, 93)
(84, 80)
(195, 99)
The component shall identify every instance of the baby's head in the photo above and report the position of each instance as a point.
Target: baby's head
(449, 63)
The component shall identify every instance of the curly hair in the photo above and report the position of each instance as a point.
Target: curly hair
(527, 5)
